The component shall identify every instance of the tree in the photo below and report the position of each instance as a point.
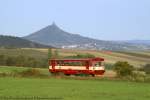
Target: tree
(2, 60)
(31, 62)
(123, 68)
(20, 61)
(49, 53)
(56, 53)
(10, 61)
(146, 68)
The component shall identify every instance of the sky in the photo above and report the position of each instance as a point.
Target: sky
(99, 19)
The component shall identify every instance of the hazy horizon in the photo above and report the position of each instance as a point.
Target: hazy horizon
(99, 19)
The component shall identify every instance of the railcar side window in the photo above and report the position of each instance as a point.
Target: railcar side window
(69, 63)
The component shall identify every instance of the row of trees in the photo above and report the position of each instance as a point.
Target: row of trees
(26, 61)
(87, 55)
(55, 54)
(22, 61)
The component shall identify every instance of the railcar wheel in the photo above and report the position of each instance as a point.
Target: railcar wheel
(53, 74)
(93, 75)
(61, 74)
(67, 74)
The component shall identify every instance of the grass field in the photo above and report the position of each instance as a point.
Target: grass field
(44, 71)
(70, 89)
(8, 70)
(57, 88)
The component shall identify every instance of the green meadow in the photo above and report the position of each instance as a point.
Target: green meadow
(68, 88)
(71, 89)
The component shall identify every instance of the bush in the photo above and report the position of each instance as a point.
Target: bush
(138, 76)
(30, 73)
(3, 74)
(123, 69)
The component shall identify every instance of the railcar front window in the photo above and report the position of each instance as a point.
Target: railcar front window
(98, 64)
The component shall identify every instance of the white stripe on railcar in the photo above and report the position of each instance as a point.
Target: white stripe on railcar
(77, 67)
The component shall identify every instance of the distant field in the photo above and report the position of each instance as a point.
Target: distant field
(136, 58)
(70, 89)
(27, 52)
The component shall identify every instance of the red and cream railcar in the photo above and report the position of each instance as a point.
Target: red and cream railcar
(90, 66)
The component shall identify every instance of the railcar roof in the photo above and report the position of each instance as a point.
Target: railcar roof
(80, 59)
